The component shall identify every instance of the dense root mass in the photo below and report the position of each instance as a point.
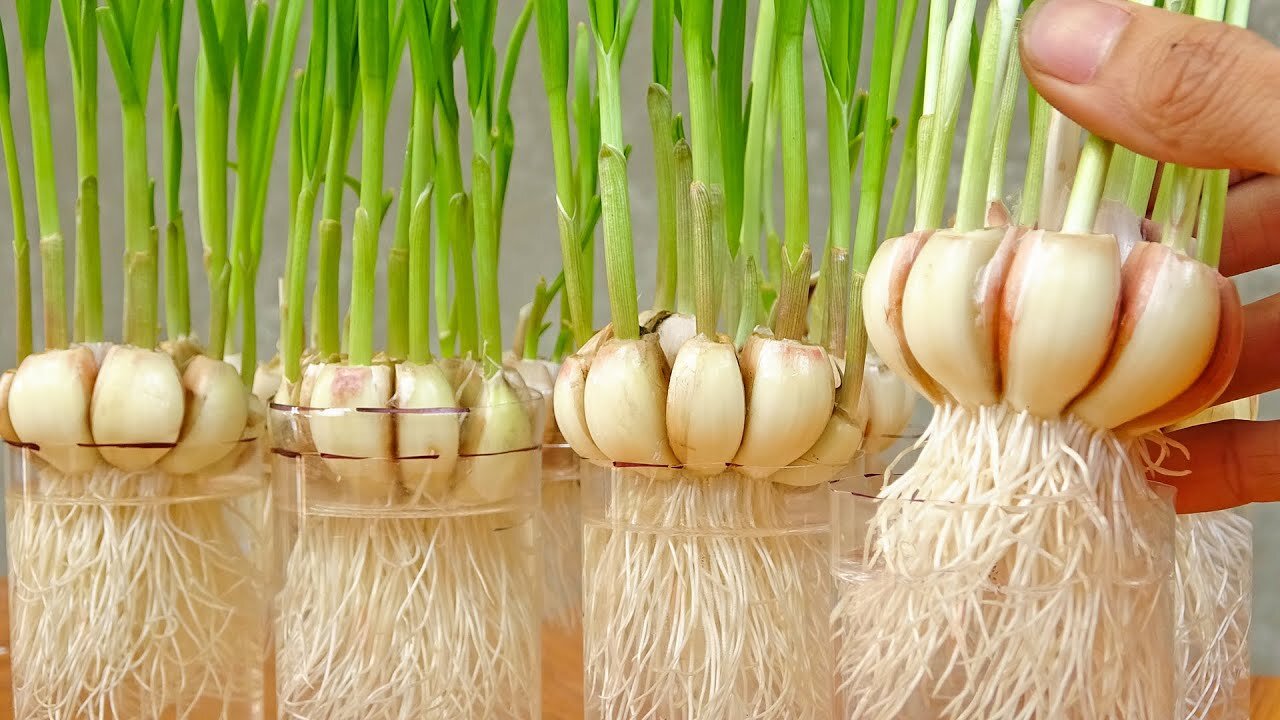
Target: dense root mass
(562, 552)
(136, 595)
(705, 598)
(1019, 569)
(409, 617)
(1214, 582)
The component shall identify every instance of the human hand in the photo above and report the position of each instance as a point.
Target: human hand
(1202, 94)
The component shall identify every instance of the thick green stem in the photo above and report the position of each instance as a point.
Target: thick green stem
(1213, 209)
(619, 252)
(905, 184)
(793, 297)
(211, 161)
(420, 279)
(795, 157)
(971, 209)
(682, 161)
(464, 288)
(486, 254)
(1033, 182)
(1004, 127)
(696, 20)
(177, 298)
(42, 159)
(855, 353)
(1086, 191)
(751, 301)
(879, 109)
(1120, 175)
(1138, 197)
(753, 176)
(398, 267)
(838, 302)
(293, 340)
(21, 242)
(942, 127)
(328, 323)
(704, 259)
(839, 173)
(141, 276)
(662, 125)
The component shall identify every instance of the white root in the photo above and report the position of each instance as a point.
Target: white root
(49, 403)
(1008, 573)
(562, 535)
(216, 415)
(138, 595)
(708, 598)
(1214, 579)
(409, 618)
(138, 407)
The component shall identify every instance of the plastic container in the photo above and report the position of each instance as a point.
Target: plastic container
(1215, 606)
(561, 537)
(706, 597)
(409, 586)
(138, 595)
(1058, 609)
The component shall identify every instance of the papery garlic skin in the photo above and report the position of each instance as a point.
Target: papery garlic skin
(49, 406)
(216, 415)
(706, 404)
(625, 402)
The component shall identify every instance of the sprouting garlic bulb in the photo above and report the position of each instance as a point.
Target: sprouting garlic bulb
(49, 401)
(764, 407)
(1054, 323)
(7, 433)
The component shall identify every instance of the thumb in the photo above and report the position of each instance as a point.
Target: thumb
(1168, 86)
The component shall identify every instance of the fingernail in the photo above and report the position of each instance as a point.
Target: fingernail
(1071, 39)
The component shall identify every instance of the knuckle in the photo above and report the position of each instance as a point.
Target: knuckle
(1190, 77)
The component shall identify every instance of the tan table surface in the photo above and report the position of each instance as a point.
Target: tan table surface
(562, 676)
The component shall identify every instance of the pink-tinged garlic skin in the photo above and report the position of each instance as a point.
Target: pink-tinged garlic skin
(217, 410)
(568, 400)
(625, 400)
(948, 311)
(49, 404)
(706, 404)
(1217, 374)
(357, 446)
(790, 396)
(426, 443)
(1169, 312)
(138, 399)
(882, 292)
(7, 433)
(1053, 338)
(998, 214)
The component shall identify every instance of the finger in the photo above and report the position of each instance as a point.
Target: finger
(1172, 87)
(1258, 371)
(1231, 463)
(1251, 229)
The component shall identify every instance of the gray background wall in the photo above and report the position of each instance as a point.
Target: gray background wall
(530, 240)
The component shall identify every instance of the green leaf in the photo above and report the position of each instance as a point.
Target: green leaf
(4, 67)
(33, 24)
(212, 49)
(118, 56)
(476, 19)
(142, 47)
(553, 44)
(664, 14)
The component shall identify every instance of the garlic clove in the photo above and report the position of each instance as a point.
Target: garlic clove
(138, 407)
(497, 440)
(948, 310)
(790, 396)
(889, 404)
(426, 443)
(1058, 318)
(267, 378)
(217, 411)
(706, 404)
(882, 292)
(1216, 375)
(568, 400)
(625, 400)
(1170, 311)
(538, 376)
(49, 402)
(357, 446)
(7, 433)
